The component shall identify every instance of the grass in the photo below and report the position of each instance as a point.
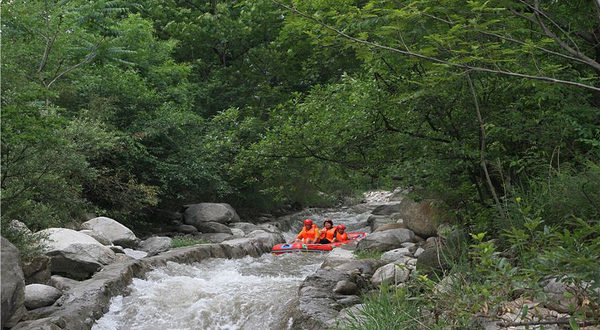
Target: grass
(388, 309)
(366, 254)
(182, 241)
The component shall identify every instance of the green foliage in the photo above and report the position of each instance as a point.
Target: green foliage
(121, 107)
(389, 309)
(182, 241)
(28, 243)
(367, 254)
(45, 163)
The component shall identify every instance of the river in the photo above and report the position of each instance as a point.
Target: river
(224, 294)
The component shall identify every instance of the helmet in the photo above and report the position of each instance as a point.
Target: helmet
(308, 222)
(342, 227)
(328, 221)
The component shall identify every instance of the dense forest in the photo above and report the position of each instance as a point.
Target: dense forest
(132, 108)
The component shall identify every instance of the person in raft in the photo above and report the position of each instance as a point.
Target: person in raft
(327, 233)
(340, 234)
(309, 233)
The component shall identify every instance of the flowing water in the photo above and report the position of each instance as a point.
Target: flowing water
(224, 294)
(248, 293)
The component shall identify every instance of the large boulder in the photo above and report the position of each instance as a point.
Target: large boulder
(113, 230)
(376, 221)
(396, 254)
(390, 274)
(433, 259)
(101, 238)
(75, 254)
(196, 214)
(386, 240)
(422, 218)
(13, 285)
(187, 229)
(214, 237)
(213, 227)
(156, 245)
(62, 283)
(245, 226)
(40, 295)
(389, 226)
(381, 241)
(386, 209)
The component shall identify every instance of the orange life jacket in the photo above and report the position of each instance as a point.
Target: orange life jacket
(327, 234)
(341, 237)
(312, 233)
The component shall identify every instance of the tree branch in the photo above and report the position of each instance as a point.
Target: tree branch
(436, 60)
(390, 128)
(482, 147)
(89, 57)
(575, 52)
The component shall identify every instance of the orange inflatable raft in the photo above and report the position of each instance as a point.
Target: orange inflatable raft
(301, 247)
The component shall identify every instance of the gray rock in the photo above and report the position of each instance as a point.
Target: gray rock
(362, 267)
(355, 313)
(418, 252)
(446, 284)
(378, 223)
(380, 241)
(389, 226)
(403, 235)
(155, 245)
(101, 238)
(432, 260)
(135, 254)
(421, 217)
(381, 219)
(187, 229)
(40, 295)
(62, 283)
(411, 263)
(215, 237)
(245, 226)
(237, 232)
(270, 227)
(412, 247)
(210, 212)
(266, 237)
(113, 230)
(349, 300)
(395, 255)
(386, 209)
(346, 288)
(338, 256)
(74, 253)
(122, 257)
(555, 291)
(19, 227)
(13, 285)
(213, 228)
(390, 274)
(117, 249)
